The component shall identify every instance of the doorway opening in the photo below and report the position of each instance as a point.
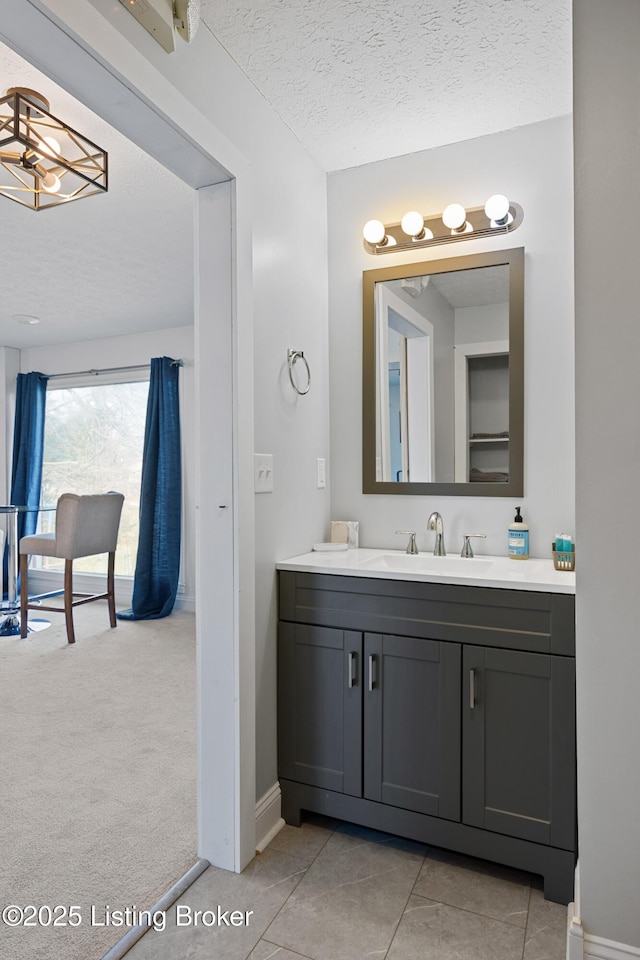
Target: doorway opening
(225, 815)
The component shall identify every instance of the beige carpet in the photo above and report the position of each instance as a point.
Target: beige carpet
(97, 776)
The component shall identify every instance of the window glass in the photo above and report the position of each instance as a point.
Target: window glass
(93, 441)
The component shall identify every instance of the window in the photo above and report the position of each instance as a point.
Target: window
(93, 442)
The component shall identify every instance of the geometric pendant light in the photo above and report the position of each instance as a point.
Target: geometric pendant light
(43, 162)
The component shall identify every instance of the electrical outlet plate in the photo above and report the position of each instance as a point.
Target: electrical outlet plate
(263, 472)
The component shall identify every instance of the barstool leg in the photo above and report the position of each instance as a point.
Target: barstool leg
(24, 594)
(68, 599)
(111, 589)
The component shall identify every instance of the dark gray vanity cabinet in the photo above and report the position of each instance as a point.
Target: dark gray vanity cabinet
(438, 712)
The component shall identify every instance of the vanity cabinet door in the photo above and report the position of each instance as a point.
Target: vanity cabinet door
(519, 744)
(320, 707)
(412, 724)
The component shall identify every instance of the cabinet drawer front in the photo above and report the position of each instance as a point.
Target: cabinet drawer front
(320, 707)
(508, 619)
(518, 745)
(412, 724)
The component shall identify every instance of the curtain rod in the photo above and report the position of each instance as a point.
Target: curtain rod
(95, 373)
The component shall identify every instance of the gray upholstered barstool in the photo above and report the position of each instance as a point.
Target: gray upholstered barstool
(85, 525)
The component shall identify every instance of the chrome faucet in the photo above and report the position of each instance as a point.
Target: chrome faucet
(435, 523)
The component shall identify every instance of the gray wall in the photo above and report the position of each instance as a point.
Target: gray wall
(607, 206)
(478, 324)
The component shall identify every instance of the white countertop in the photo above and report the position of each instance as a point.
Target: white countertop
(480, 571)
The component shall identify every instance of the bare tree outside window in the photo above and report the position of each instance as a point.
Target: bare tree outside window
(93, 443)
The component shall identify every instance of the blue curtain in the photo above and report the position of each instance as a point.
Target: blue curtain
(28, 448)
(158, 560)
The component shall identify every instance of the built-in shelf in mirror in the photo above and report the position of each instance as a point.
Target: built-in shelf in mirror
(443, 365)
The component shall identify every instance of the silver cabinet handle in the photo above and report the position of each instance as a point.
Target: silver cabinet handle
(472, 689)
(352, 669)
(371, 669)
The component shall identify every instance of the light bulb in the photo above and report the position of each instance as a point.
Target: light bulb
(374, 232)
(497, 210)
(454, 216)
(50, 183)
(413, 223)
(50, 147)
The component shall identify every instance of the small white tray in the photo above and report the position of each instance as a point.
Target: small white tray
(330, 547)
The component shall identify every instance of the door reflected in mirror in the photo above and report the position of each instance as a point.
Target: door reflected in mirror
(443, 366)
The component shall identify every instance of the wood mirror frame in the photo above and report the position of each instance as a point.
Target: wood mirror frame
(513, 487)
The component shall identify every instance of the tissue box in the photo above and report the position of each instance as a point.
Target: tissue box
(345, 531)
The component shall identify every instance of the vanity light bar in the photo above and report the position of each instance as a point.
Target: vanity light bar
(415, 231)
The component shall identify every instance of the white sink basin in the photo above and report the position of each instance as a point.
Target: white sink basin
(427, 563)
(482, 571)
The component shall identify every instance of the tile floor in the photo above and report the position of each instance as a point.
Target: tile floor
(334, 891)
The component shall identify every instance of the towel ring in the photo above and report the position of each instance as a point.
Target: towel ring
(292, 357)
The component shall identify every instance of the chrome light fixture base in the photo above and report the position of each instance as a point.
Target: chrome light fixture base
(476, 225)
(44, 162)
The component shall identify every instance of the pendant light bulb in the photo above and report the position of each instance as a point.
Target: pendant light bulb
(50, 147)
(50, 183)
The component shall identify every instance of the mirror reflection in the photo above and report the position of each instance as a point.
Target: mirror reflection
(440, 407)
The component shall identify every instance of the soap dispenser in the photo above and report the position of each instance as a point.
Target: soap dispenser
(518, 538)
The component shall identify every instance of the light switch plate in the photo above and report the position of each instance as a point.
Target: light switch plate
(321, 472)
(263, 472)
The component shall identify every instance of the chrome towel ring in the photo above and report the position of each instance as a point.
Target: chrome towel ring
(292, 357)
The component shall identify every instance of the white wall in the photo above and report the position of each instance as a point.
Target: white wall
(135, 349)
(9, 369)
(281, 291)
(532, 165)
(607, 147)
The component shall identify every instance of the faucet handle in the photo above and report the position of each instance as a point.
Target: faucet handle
(466, 546)
(412, 547)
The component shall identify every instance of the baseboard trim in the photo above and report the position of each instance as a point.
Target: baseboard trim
(585, 946)
(269, 820)
(188, 604)
(575, 935)
(597, 948)
(44, 581)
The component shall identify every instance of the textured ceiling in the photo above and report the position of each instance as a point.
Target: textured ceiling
(474, 288)
(111, 264)
(355, 81)
(361, 81)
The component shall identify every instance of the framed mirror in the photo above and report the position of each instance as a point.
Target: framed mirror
(443, 377)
